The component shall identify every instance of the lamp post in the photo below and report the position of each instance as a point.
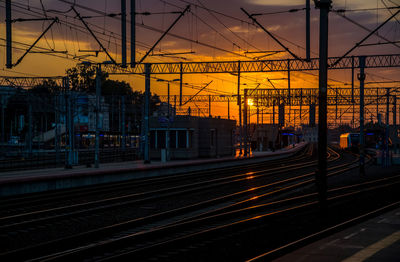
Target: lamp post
(250, 102)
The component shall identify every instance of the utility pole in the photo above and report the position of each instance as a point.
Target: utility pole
(123, 128)
(387, 128)
(180, 84)
(3, 135)
(30, 136)
(288, 75)
(361, 77)
(56, 136)
(147, 114)
(209, 106)
(352, 87)
(336, 106)
(229, 117)
(239, 102)
(301, 103)
(273, 112)
(8, 34)
(321, 174)
(123, 32)
(377, 105)
(133, 33)
(245, 121)
(308, 30)
(394, 111)
(168, 131)
(98, 95)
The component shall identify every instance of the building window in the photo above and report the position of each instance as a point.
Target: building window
(182, 139)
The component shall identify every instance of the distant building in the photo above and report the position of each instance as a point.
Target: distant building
(191, 137)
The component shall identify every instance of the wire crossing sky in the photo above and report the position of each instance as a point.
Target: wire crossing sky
(209, 31)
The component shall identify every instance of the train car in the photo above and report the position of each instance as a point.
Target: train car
(349, 140)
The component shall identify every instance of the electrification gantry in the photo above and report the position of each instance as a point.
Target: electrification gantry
(283, 65)
(298, 96)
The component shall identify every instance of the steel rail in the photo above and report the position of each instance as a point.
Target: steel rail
(139, 184)
(209, 202)
(30, 219)
(25, 200)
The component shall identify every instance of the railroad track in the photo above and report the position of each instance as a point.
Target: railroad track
(24, 203)
(25, 219)
(173, 240)
(201, 209)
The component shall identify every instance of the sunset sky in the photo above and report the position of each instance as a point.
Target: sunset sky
(217, 23)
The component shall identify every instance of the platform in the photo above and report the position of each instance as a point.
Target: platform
(377, 239)
(29, 181)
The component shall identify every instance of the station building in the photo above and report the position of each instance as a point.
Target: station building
(191, 137)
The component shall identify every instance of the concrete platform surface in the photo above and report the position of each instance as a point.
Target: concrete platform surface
(29, 181)
(376, 240)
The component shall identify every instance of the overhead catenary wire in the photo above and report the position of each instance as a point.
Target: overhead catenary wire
(67, 24)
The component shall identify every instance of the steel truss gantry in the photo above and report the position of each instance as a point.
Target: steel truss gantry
(27, 82)
(299, 96)
(283, 65)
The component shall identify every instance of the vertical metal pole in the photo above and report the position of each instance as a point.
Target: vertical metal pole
(387, 128)
(394, 111)
(147, 114)
(123, 123)
(67, 122)
(71, 108)
(3, 135)
(70, 129)
(123, 32)
(133, 33)
(301, 103)
(175, 103)
(273, 112)
(239, 101)
(168, 102)
(324, 6)
(168, 132)
(308, 30)
(180, 84)
(361, 77)
(352, 87)
(30, 137)
(98, 95)
(229, 116)
(262, 116)
(56, 136)
(209, 105)
(377, 104)
(245, 121)
(289, 98)
(8, 34)
(258, 117)
(336, 106)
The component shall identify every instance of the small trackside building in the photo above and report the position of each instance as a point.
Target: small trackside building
(191, 137)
